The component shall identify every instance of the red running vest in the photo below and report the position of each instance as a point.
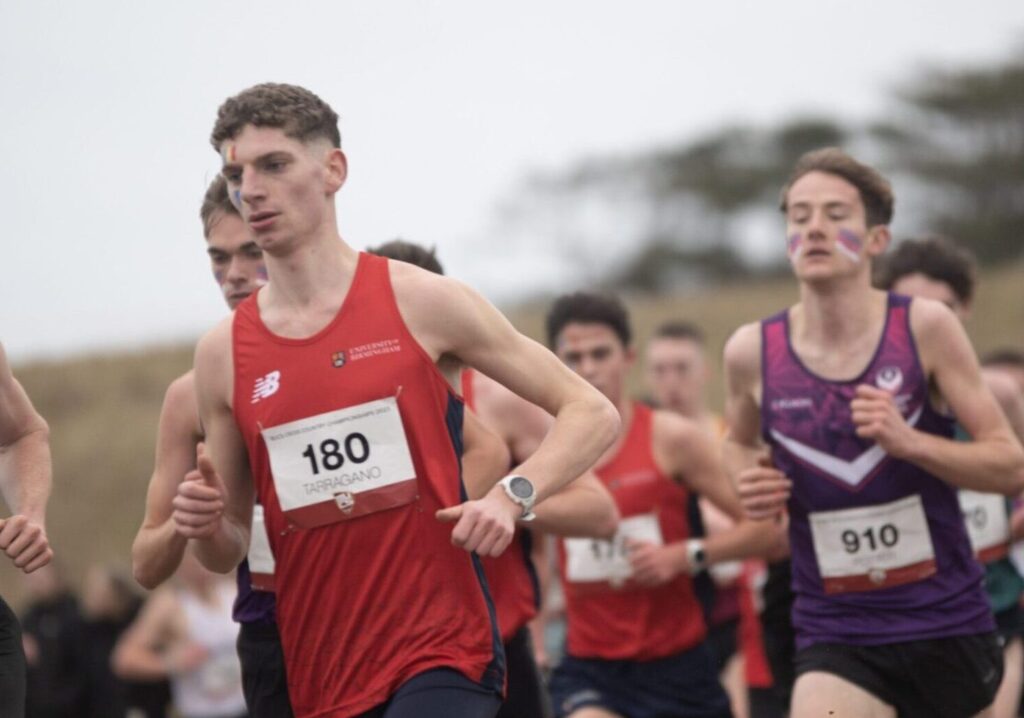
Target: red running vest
(631, 622)
(511, 576)
(368, 601)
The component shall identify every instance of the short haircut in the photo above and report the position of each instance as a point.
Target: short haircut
(937, 258)
(1004, 356)
(410, 253)
(216, 203)
(679, 329)
(589, 308)
(875, 190)
(295, 110)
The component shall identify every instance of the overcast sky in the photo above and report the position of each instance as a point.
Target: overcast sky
(445, 107)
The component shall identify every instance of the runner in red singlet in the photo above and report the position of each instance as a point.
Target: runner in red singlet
(636, 633)
(324, 395)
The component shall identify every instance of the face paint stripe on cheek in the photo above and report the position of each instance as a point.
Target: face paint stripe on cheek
(794, 244)
(849, 244)
(261, 277)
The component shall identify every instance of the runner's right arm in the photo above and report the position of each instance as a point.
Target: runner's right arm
(763, 490)
(214, 502)
(158, 547)
(25, 473)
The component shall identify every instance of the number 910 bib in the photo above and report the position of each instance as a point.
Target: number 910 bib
(342, 464)
(873, 547)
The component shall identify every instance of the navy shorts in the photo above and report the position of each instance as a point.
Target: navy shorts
(264, 682)
(681, 686)
(526, 696)
(439, 693)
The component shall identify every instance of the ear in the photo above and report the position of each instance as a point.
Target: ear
(337, 170)
(878, 240)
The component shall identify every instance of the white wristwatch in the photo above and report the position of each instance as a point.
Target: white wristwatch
(520, 490)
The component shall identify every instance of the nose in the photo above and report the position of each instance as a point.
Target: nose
(250, 189)
(235, 273)
(816, 223)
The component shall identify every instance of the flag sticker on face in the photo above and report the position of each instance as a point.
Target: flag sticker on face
(230, 153)
(849, 244)
(794, 244)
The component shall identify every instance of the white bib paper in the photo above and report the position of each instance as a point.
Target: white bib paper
(593, 560)
(873, 547)
(341, 464)
(261, 558)
(988, 524)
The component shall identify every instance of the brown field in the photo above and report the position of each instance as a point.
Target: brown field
(103, 410)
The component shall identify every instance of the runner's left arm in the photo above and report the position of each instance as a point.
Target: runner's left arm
(993, 461)
(449, 318)
(25, 475)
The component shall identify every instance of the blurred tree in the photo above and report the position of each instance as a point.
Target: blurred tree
(961, 134)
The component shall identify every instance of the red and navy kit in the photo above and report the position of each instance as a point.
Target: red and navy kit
(631, 622)
(375, 596)
(510, 576)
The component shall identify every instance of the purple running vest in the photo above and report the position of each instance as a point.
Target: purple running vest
(806, 421)
(252, 606)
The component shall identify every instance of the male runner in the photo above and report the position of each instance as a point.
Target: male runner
(852, 389)
(25, 485)
(636, 634)
(583, 508)
(238, 269)
(935, 268)
(323, 394)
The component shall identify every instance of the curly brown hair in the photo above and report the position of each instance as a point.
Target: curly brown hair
(875, 190)
(301, 114)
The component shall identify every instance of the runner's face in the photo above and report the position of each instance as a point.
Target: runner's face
(826, 229)
(676, 374)
(236, 260)
(920, 285)
(595, 352)
(282, 187)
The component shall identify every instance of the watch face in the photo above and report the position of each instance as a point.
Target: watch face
(521, 487)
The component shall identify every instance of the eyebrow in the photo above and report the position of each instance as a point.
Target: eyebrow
(831, 204)
(266, 157)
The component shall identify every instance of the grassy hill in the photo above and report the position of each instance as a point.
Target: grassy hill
(103, 410)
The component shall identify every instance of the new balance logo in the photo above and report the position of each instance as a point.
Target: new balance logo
(266, 386)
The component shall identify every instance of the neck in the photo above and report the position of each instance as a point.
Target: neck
(836, 313)
(310, 273)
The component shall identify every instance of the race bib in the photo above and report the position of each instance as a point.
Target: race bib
(988, 524)
(597, 561)
(342, 464)
(872, 547)
(261, 558)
